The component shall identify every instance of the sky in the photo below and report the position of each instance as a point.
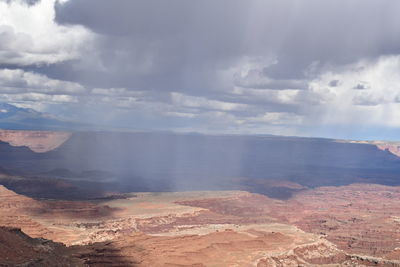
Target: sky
(290, 67)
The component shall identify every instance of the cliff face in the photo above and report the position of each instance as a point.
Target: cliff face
(37, 141)
(393, 148)
(18, 249)
(390, 146)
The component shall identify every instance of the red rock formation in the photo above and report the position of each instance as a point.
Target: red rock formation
(393, 148)
(18, 249)
(38, 218)
(37, 141)
(360, 218)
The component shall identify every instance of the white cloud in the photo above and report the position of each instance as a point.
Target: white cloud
(367, 93)
(276, 118)
(38, 101)
(276, 96)
(180, 114)
(17, 81)
(204, 103)
(249, 72)
(29, 35)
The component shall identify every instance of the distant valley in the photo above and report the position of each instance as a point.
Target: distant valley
(164, 199)
(155, 161)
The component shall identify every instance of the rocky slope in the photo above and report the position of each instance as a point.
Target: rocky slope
(18, 249)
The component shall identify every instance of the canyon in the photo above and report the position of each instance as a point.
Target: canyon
(355, 225)
(90, 164)
(66, 200)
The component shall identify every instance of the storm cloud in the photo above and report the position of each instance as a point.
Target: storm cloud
(181, 43)
(283, 67)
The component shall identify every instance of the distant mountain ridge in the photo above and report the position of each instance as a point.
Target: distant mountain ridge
(17, 118)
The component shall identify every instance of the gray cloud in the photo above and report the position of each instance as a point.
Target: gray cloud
(174, 45)
(257, 79)
(361, 86)
(179, 45)
(28, 2)
(234, 61)
(367, 100)
(334, 83)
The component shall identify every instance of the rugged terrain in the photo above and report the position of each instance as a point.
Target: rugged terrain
(350, 225)
(18, 249)
(239, 201)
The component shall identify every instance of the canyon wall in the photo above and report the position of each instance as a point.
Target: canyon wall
(37, 141)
